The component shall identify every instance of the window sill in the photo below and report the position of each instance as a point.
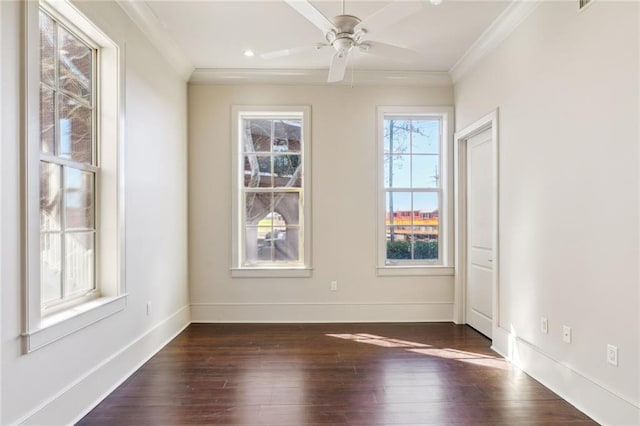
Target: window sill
(415, 271)
(61, 324)
(301, 272)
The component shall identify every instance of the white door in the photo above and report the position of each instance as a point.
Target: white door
(480, 195)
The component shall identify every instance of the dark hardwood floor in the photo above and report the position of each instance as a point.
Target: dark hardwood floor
(296, 374)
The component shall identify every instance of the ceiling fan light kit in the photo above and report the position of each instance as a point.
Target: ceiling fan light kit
(344, 32)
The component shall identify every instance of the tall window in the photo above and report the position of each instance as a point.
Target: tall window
(271, 187)
(414, 171)
(74, 203)
(68, 166)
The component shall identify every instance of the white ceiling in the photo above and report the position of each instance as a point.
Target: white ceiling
(213, 34)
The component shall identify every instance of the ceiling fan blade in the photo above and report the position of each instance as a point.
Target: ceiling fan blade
(292, 51)
(389, 15)
(306, 9)
(400, 54)
(338, 66)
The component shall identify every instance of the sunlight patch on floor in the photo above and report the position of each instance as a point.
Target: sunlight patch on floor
(424, 349)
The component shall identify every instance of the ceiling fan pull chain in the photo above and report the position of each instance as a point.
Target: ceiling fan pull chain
(352, 73)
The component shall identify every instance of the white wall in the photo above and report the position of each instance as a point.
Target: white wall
(343, 155)
(566, 85)
(56, 384)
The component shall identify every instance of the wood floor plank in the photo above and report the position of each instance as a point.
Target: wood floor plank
(296, 374)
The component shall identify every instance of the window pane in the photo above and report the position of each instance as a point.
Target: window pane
(79, 262)
(47, 120)
(75, 65)
(398, 225)
(425, 137)
(287, 205)
(286, 135)
(396, 136)
(50, 267)
(425, 171)
(75, 130)
(426, 203)
(256, 135)
(398, 248)
(257, 171)
(399, 233)
(286, 244)
(47, 53)
(398, 208)
(50, 196)
(258, 243)
(287, 171)
(257, 207)
(78, 198)
(426, 250)
(426, 225)
(397, 169)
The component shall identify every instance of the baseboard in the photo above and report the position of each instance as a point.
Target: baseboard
(74, 401)
(594, 399)
(321, 312)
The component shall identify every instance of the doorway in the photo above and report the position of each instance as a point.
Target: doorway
(476, 222)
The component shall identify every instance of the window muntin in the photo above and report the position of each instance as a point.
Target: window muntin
(271, 182)
(412, 188)
(68, 163)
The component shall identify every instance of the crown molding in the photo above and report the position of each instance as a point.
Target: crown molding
(319, 77)
(495, 34)
(142, 15)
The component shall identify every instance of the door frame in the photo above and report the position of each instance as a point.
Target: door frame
(489, 121)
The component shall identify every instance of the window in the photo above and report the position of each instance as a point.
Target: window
(68, 166)
(74, 271)
(413, 179)
(271, 205)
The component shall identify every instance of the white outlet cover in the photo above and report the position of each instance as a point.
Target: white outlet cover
(566, 334)
(544, 325)
(612, 355)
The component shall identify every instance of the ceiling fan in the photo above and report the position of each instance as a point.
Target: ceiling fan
(347, 32)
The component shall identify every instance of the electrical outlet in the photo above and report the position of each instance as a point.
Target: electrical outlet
(148, 308)
(334, 285)
(612, 355)
(566, 334)
(544, 325)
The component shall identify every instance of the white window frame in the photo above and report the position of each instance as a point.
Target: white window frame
(445, 244)
(43, 326)
(239, 268)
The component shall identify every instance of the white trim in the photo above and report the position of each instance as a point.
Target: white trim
(321, 312)
(495, 34)
(70, 320)
(144, 18)
(2, 220)
(588, 395)
(298, 269)
(445, 240)
(78, 398)
(318, 77)
(415, 271)
(271, 272)
(489, 121)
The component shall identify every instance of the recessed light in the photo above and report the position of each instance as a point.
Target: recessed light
(436, 2)
(249, 53)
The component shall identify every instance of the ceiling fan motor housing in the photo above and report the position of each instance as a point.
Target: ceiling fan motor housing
(346, 37)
